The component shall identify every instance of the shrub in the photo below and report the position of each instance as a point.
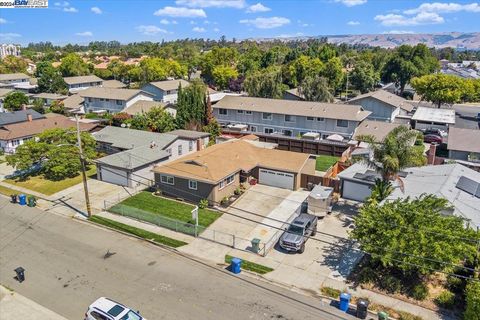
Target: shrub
(237, 191)
(391, 284)
(472, 297)
(224, 201)
(455, 284)
(203, 204)
(367, 275)
(446, 299)
(407, 316)
(331, 292)
(419, 292)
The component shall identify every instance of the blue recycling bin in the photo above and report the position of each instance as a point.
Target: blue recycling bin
(344, 301)
(22, 199)
(236, 265)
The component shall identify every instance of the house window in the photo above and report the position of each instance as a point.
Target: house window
(289, 118)
(101, 99)
(266, 116)
(240, 111)
(253, 128)
(268, 130)
(119, 102)
(190, 145)
(310, 118)
(248, 112)
(167, 179)
(223, 112)
(169, 151)
(15, 142)
(107, 100)
(192, 184)
(225, 182)
(287, 133)
(320, 119)
(342, 123)
(180, 150)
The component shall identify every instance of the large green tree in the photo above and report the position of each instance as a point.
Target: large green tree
(222, 75)
(73, 65)
(414, 235)
(265, 83)
(57, 150)
(159, 120)
(315, 88)
(49, 78)
(12, 64)
(191, 106)
(15, 100)
(440, 88)
(363, 76)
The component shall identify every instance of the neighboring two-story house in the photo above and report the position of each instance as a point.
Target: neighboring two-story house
(165, 91)
(79, 83)
(13, 78)
(383, 105)
(289, 118)
(111, 99)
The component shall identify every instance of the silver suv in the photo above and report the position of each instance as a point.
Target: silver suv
(107, 309)
(302, 227)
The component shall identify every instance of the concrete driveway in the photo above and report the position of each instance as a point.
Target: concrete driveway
(5, 169)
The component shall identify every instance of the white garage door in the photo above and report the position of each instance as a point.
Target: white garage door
(355, 191)
(276, 179)
(114, 176)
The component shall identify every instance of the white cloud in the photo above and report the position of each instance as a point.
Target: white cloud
(238, 4)
(352, 3)
(3, 21)
(266, 23)
(62, 4)
(174, 22)
(258, 8)
(9, 36)
(84, 34)
(164, 21)
(150, 30)
(181, 12)
(216, 29)
(353, 23)
(398, 32)
(70, 9)
(192, 22)
(96, 10)
(198, 29)
(401, 20)
(437, 7)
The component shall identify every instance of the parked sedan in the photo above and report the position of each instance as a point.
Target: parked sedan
(433, 138)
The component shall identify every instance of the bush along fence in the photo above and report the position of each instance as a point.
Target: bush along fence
(211, 234)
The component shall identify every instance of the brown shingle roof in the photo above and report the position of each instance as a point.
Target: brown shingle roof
(111, 93)
(81, 79)
(460, 139)
(13, 76)
(292, 107)
(378, 129)
(170, 84)
(221, 160)
(386, 97)
(73, 102)
(31, 128)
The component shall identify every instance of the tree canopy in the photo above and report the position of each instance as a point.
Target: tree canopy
(15, 100)
(315, 88)
(49, 78)
(73, 65)
(191, 106)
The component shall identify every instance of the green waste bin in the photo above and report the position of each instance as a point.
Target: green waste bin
(382, 315)
(32, 202)
(255, 245)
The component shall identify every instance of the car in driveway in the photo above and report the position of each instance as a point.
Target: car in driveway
(432, 138)
(301, 228)
(435, 131)
(107, 309)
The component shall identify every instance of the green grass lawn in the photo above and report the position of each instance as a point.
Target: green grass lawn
(138, 232)
(251, 266)
(49, 187)
(166, 208)
(7, 191)
(325, 162)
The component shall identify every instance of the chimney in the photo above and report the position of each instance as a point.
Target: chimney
(29, 117)
(431, 154)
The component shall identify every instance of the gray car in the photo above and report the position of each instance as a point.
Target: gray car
(302, 227)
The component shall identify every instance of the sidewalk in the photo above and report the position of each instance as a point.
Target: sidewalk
(16, 306)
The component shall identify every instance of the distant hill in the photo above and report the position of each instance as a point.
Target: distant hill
(458, 40)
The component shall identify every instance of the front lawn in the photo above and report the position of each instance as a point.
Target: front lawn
(251, 266)
(49, 187)
(171, 209)
(324, 162)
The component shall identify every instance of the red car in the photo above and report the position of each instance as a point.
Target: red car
(432, 138)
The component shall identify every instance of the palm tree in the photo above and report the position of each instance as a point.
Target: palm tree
(395, 152)
(381, 190)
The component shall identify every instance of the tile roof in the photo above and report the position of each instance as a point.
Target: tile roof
(113, 84)
(82, 79)
(460, 139)
(13, 76)
(125, 138)
(31, 128)
(292, 107)
(170, 84)
(215, 163)
(18, 116)
(142, 106)
(111, 93)
(378, 129)
(386, 97)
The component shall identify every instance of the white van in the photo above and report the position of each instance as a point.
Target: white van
(107, 309)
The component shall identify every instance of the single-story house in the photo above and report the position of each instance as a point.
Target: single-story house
(143, 106)
(293, 94)
(426, 118)
(377, 129)
(110, 99)
(113, 84)
(133, 153)
(9, 78)
(165, 91)
(76, 84)
(215, 172)
(464, 144)
(15, 134)
(384, 105)
(19, 116)
(48, 98)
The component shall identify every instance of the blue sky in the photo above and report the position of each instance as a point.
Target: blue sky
(128, 20)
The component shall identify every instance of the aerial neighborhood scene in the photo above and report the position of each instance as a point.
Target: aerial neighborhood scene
(237, 159)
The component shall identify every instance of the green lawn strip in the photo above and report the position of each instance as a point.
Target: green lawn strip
(138, 232)
(167, 208)
(324, 162)
(7, 191)
(251, 266)
(48, 187)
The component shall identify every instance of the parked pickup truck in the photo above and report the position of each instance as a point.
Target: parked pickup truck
(294, 238)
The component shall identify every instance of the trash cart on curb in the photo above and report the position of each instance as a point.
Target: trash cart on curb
(236, 265)
(255, 245)
(22, 199)
(362, 308)
(344, 301)
(382, 315)
(14, 198)
(32, 201)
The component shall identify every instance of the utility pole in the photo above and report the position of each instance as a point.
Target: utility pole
(84, 174)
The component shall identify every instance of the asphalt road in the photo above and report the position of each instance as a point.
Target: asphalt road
(67, 269)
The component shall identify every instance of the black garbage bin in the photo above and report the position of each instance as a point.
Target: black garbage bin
(14, 198)
(362, 307)
(20, 274)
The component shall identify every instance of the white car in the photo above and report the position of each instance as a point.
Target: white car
(107, 309)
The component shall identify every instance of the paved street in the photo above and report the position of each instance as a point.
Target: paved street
(67, 268)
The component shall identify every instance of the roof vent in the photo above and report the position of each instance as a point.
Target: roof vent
(469, 186)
